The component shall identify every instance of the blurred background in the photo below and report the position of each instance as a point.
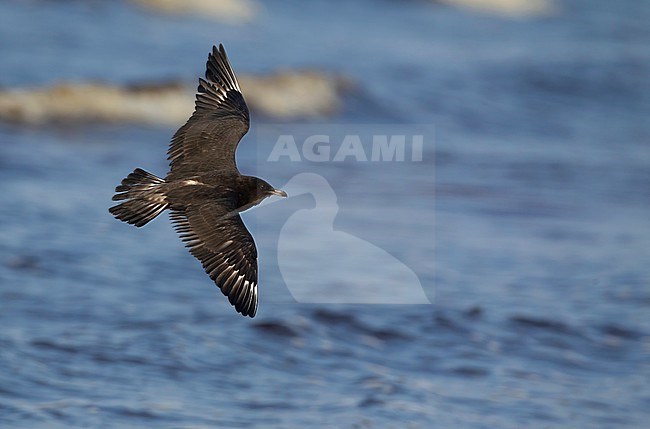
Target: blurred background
(527, 222)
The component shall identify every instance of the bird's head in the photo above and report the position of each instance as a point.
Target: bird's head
(264, 190)
(253, 190)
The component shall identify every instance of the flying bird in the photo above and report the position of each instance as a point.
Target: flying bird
(204, 191)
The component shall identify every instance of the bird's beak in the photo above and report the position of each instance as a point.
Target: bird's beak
(279, 193)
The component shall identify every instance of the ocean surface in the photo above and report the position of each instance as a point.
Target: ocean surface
(527, 223)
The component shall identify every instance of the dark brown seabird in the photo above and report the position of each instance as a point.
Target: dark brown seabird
(204, 190)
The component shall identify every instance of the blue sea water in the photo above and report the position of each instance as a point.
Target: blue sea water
(527, 222)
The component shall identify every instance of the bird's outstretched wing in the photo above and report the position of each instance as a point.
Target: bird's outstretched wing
(219, 239)
(210, 137)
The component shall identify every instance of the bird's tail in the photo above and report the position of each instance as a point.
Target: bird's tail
(144, 198)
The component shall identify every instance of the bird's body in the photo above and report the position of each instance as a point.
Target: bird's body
(204, 190)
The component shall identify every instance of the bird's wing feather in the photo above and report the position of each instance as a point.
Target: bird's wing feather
(210, 137)
(219, 239)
